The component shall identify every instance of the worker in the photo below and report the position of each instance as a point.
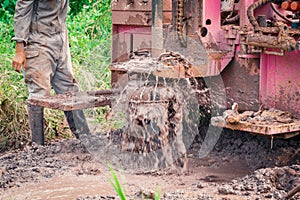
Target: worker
(43, 54)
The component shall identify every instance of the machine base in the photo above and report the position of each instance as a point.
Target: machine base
(271, 122)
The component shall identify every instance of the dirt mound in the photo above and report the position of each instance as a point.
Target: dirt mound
(257, 149)
(269, 183)
(36, 161)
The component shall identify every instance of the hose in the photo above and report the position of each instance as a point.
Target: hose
(279, 13)
(254, 6)
(232, 19)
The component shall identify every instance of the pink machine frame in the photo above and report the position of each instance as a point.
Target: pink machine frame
(279, 85)
(255, 77)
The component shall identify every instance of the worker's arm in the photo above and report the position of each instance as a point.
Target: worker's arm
(22, 20)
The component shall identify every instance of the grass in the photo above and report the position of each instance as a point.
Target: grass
(157, 195)
(13, 123)
(116, 183)
(89, 36)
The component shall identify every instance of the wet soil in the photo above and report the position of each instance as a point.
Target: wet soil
(241, 166)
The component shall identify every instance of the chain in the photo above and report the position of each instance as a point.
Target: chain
(180, 23)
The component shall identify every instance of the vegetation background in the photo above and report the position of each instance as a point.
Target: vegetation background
(89, 24)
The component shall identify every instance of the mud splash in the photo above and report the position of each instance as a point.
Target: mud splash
(162, 115)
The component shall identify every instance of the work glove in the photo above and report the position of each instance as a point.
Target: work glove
(19, 60)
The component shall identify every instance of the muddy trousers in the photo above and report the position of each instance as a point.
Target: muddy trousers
(76, 121)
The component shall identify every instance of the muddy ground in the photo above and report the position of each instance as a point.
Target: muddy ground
(241, 166)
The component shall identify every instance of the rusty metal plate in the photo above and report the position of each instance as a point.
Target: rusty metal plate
(142, 18)
(241, 80)
(261, 128)
(122, 44)
(75, 101)
(280, 81)
(122, 5)
(132, 18)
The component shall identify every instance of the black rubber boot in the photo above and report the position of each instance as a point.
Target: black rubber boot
(77, 123)
(36, 123)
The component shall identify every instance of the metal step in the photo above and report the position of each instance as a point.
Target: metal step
(271, 122)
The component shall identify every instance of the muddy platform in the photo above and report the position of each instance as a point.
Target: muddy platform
(240, 166)
(271, 122)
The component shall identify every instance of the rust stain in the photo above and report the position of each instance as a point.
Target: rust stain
(138, 19)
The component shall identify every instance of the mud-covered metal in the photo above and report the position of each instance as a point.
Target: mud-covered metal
(75, 101)
(162, 112)
(157, 28)
(155, 115)
(271, 122)
(286, 43)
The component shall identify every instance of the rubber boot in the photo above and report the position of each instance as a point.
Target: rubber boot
(77, 123)
(36, 123)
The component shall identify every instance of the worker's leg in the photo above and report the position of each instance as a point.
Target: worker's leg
(77, 123)
(36, 123)
(63, 82)
(37, 77)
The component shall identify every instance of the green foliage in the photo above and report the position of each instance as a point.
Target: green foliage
(108, 121)
(7, 9)
(13, 116)
(116, 184)
(13, 123)
(90, 39)
(8, 6)
(77, 5)
(157, 194)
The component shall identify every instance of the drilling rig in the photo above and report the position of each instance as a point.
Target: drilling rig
(235, 63)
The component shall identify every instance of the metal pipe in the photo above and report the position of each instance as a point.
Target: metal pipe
(174, 3)
(157, 27)
(267, 41)
(286, 5)
(232, 19)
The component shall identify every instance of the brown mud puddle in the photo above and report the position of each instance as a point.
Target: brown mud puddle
(240, 166)
(202, 177)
